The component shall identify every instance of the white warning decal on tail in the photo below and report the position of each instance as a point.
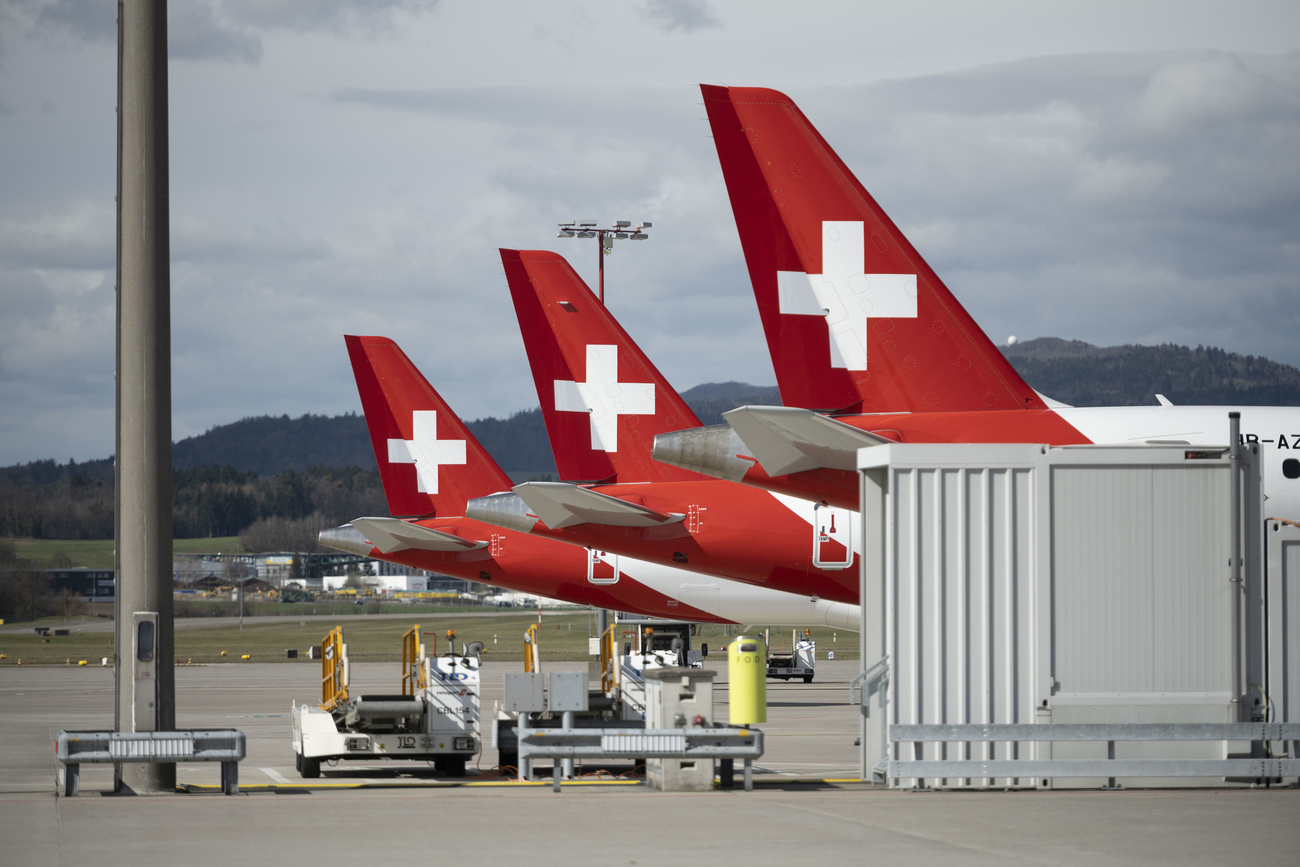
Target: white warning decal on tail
(604, 397)
(425, 450)
(844, 295)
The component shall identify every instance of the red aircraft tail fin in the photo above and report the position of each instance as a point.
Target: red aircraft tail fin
(602, 399)
(430, 463)
(855, 318)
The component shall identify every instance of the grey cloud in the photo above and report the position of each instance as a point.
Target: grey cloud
(195, 31)
(203, 241)
(76, 19)
(223, 30)
(59, 336)
(568, 32)
(1208, 90)
(687, 16)
(366, 18)
(1044, 192)
(608, 111)
(1053, 193)
(82, 238)
(25, 299)
(1040, 190)
(1088, 138)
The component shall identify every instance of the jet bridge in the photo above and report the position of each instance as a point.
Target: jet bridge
(1021, 585)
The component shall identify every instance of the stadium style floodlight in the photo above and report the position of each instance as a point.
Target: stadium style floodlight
(622, 230)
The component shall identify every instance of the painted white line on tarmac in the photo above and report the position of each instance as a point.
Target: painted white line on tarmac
(276, 776)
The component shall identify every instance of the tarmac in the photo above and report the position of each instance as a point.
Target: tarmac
(807, 806)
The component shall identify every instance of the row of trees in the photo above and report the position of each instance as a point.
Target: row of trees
(207, 502)
(25, 593)
(276, 476)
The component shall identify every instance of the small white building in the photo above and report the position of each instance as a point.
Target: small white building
(512, 599)
(383, 585)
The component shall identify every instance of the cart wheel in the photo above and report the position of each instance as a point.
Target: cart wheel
(310, 769)
(297, 762)
(450, 766)
(807, 678)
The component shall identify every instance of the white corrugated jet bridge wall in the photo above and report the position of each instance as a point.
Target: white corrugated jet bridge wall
(1024, 584)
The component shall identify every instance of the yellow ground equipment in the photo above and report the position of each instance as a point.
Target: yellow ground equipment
(435, 718)
(333, 671)
(532, 650)
(747, 677)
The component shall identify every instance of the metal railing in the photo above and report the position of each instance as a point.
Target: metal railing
(1111, 768)
(74, 749)
(874, 681)
(604, 743)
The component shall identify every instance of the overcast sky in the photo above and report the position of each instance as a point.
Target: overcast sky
(1115, 172)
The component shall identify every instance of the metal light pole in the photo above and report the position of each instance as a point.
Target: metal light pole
(622, 230)
(143, 641)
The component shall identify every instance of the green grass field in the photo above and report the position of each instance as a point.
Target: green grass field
(98, 553)
(563, 636)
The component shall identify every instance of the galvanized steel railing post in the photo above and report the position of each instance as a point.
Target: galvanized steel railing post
(1234, 573)
(874, 497)
(567, 762)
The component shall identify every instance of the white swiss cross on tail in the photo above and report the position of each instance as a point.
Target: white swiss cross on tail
(844, 295)
(425, 450)
(604, 397)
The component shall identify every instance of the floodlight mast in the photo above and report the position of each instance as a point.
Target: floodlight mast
(622, 230)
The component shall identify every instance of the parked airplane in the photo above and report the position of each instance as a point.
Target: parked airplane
(870, 346)
(603, 402)
(431, 465)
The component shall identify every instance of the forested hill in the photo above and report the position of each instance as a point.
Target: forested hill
(275, 481)
(278, 481)
(1081, 374)
(1071, 371)
(269, 445)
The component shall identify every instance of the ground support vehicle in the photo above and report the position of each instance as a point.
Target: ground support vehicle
(652, 644)
(435, 718)
(621, 700)
(799, 662)
(558, 717)
(603, 708)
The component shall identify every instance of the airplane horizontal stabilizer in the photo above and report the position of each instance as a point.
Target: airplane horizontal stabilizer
(786, 439)
(560, 505)
(391, 534)
(716, 450)
(346, 538)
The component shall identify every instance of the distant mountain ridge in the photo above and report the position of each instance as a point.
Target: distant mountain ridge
(1070, 371)
(268, 445)
(275, 482)
(1081, 374)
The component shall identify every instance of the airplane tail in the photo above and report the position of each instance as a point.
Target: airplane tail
(430, 463)
(855, 319)
(602, 399)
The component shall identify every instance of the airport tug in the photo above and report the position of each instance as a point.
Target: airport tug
(435, 718)
(799, 662)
